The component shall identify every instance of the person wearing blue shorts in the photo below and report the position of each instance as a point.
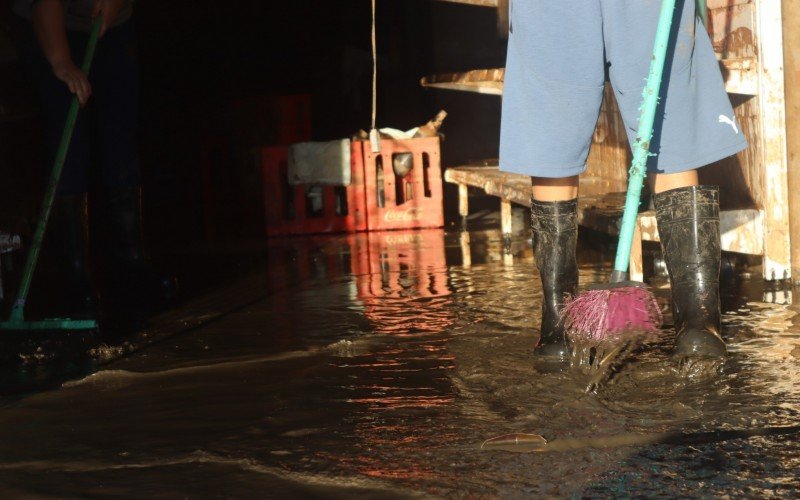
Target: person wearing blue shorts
(560, 54)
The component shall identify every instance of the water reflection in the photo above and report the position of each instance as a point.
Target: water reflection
(401, 277)
(395, 372)
(380, 365)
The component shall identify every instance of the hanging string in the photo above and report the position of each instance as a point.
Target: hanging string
(374, 137)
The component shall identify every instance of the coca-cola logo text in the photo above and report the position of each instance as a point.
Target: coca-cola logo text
(403, 239)
(412, 214)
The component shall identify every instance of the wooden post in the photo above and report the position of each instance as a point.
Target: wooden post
(772, 135)
(463, 204)
(791, 58)
(636, 267)
(466, 251)
(505, 217)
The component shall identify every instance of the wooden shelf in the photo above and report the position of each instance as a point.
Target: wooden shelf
(480, 3)
(741, 77)
(481, 81)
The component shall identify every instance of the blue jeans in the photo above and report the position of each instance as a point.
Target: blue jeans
(106, 131)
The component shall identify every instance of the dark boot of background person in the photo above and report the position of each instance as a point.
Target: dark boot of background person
(132, 281)
(688, 224)
(67, 245)
(555, 236)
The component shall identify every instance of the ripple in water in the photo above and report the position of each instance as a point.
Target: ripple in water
(400, 364)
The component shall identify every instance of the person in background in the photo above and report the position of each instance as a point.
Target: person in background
(554, 85)
(53, 37)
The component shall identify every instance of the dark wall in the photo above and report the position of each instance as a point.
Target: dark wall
(206, 64)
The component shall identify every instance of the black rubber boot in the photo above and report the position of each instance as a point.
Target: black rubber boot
(688, 224)
(555, 236)
(133, 278)
(67, 242)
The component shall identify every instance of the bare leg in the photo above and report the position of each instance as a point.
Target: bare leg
(566, 188)
(664, 182)
(557, 189)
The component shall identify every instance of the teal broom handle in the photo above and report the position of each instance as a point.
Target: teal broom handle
(55, 176)
(702, 12)
(643, 136)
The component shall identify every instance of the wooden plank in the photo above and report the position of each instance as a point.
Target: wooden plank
(488, 88)
(479, 3)
(515, 188)
(636, 266)
(741, 75)
(731, 27)
(482, 81)
(742, 231)
(791, 59)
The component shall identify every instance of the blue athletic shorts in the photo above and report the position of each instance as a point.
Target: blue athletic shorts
(559, 54)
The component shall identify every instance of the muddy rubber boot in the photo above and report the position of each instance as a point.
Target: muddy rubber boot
(555, 236)
(68, 244)
(688, 223)
(134, 278)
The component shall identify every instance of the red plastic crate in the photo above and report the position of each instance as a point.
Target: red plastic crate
(411, 202)
(288, 207)
(294, 117)
(276, 120)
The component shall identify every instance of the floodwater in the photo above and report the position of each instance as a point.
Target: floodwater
(376, 366)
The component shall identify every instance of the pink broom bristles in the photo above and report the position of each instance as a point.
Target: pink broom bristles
(599, 315)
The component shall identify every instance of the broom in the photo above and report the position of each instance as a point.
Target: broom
(617, 310)
(16, 320)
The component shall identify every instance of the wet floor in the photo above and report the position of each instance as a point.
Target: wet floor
(375, 366)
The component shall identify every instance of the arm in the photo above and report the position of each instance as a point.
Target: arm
(48, 24)
(110, 10)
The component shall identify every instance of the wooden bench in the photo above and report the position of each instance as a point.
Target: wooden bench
(598, 209)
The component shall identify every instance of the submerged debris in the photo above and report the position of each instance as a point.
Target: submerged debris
(516, 442)
(527, 443)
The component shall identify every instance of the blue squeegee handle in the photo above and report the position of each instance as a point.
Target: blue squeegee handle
(55, 176)
(644, 134)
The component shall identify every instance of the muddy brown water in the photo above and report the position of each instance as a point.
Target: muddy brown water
(379, 366)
